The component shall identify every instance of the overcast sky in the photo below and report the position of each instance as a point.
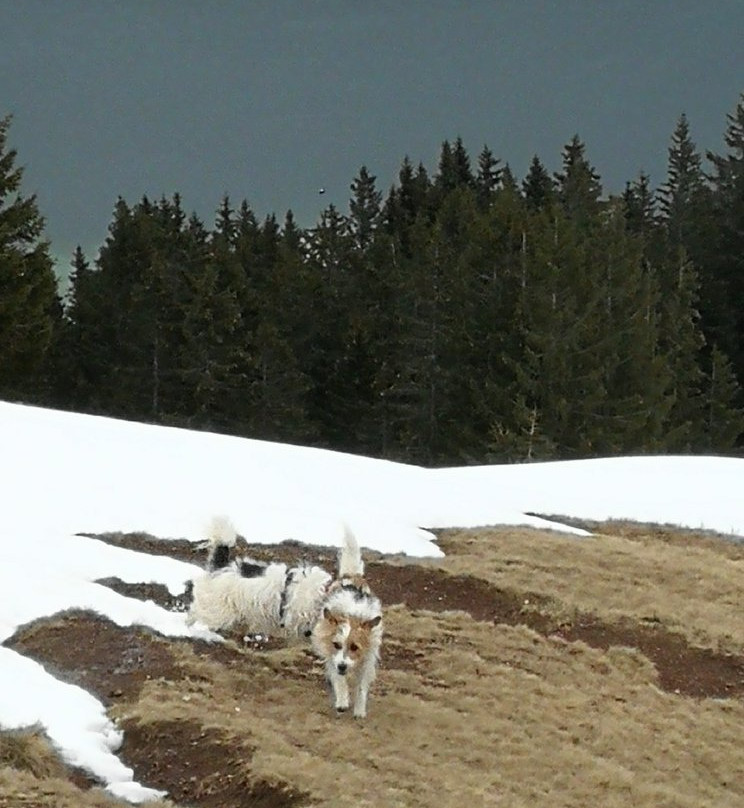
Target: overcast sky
(270, 101)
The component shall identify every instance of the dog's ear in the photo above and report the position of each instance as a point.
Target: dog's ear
(330, 616)
(375, 621)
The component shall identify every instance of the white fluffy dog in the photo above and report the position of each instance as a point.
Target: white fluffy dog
(348, 634)
(272, 599)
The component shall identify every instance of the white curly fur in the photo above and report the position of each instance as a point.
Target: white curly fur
(277, 601)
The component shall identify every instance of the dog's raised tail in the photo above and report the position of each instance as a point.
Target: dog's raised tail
(350, 556)
(221, 536)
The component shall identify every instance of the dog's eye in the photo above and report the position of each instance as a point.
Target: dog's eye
(353, 647)
(308, 632)
(337, 646)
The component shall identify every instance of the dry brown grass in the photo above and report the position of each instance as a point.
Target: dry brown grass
(695, 590)
(28, 750)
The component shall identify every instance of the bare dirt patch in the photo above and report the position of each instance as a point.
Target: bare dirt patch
(89, 651)
(201, 766)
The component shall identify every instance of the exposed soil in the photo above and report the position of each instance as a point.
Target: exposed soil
(179, 756)
(194, 778)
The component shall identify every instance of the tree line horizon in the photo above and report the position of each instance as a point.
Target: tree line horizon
(465, 316)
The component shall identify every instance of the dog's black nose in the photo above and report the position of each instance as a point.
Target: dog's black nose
(308, 632)
(342, 667)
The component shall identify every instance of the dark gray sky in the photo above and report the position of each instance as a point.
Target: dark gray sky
(271, 100)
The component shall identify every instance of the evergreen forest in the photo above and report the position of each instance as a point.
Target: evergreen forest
(465, 315)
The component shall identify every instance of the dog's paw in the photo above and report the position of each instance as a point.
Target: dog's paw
(340, 710)
(360, 715)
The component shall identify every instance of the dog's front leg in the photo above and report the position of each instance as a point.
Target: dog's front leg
(340, 688)
(366, 677)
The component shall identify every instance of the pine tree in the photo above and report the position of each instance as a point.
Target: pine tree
(723, 256)
(640, 205)
(334, 263)
(282, 342)
(151, 328)
(637, 377)
(364, 208)
(521, 440)
(591, 375)
(454, 168)
(411, 198)
(680, 337)
(537, 186)
(81, 365)
(490, 266)
(488, 178)
(291, 233)
(224, 226)
(79, 277)
(425, 379)
(559, 380)
(508, 180)
(682, 193)
(724, 416)
(29, 305)
(578, 184)
(281, 335)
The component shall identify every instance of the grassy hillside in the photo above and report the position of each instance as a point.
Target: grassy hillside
(524, 669)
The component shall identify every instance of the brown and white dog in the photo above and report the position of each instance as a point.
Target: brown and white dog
(348, 634)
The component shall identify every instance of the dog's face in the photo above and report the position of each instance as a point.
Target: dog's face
(344, 640)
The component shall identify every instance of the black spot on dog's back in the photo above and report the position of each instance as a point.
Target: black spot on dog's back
(220, 557)
(355, 591)
(249, 569)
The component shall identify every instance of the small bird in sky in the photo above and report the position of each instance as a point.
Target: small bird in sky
(321, 190)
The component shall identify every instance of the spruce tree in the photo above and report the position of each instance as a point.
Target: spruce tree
(637, 377)
(281, 335)
(82, 364)
(224, 226)
(429, 364)
(682, 194)
(364, 208)
(333, 262)
(640, 204)
(724, 416)
(591, 378)
(578, 185)
(491, 266)
(291, 233)
(488, 178)
(508, 180)
(537, 186)
(680, 337)
(559, 378)
(454, 168)
(723, 259)
(151, 326)
(412, 197)
(29, 304)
